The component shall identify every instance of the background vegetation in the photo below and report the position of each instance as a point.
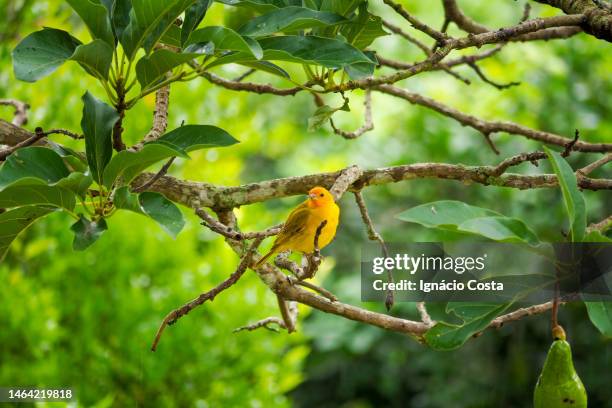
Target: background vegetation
(86, 320)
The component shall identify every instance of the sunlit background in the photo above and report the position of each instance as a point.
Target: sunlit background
(85, 320)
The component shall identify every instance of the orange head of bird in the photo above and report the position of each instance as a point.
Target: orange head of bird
(319, 196)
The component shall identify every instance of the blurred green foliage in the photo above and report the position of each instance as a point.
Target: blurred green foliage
(86, 320)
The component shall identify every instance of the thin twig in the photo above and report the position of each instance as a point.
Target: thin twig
(373, 235)
(176, 314)
(265, 323)
(218, 227)
(162, 172)
(245, 75)
(367, 124)
(435, 34)
(425, 318)
(20, 117)
(482, 76)
(601, 226)
(10, 150)
(586, 170)
(516, 160)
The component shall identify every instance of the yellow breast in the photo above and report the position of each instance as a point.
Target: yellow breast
(305, 242)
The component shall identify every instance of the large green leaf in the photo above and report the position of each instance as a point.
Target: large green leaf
(149, 19)
(363, 29)
(76, 182)
(600, 314)
(224, 39)
(289, 19)
(461, 217)
(96, 19)
(445, 214)
(34, 192)
(86, 232)
(330, 53)
(33, 162)
(163, 211)
(42, 52)
(476, 317)
(572, 197)
(503, 229)
(150, 69)
(193, 17)
(12, 222)
(97, 124)
(178, 142)
(153, 205)
(262, 6)
(165, 23)
(342, 7)
(126, 200)
(96, 57)
(120, 16)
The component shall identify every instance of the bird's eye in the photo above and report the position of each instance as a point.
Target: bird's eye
(321, 195)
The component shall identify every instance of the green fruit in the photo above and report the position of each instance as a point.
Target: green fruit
(559, 385)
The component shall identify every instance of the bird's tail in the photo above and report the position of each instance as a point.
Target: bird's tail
(265, 258)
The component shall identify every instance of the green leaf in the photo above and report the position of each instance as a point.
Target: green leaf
(268, 67)
(34, 192)
(12, 222)
(193, 137)
(327, 52)
(41, 53)
(97, 124)
(363, 29)
(125, 200)
(476, 317)
(262, 6)
(225, 39)
(87, 232)
(461, 217)
(165, 23)
(163, 211)
(120, 16)
(445, 214)
(193, 17)
(323, 114)
(33, 162)
(600, 314)
(96, 19)
(572, 197)
(150, 69)
(149, 19)
(342, 7)
(502, 229)
(289, 19)
(172, 36)
(96, 57)
(153, 205)
(175, 143)
(76, 182)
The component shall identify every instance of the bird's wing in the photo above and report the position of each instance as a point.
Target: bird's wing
(295, 225)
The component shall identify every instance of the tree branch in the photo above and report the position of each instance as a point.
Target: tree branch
(176, 314)
(20, 117)
(488, 128)
(598, 20)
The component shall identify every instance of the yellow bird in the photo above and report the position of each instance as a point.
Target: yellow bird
(299, 230)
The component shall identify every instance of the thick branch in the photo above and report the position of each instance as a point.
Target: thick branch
(598, 20)
(196, 194)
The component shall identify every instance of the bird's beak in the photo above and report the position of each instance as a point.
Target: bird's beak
(312, 196)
